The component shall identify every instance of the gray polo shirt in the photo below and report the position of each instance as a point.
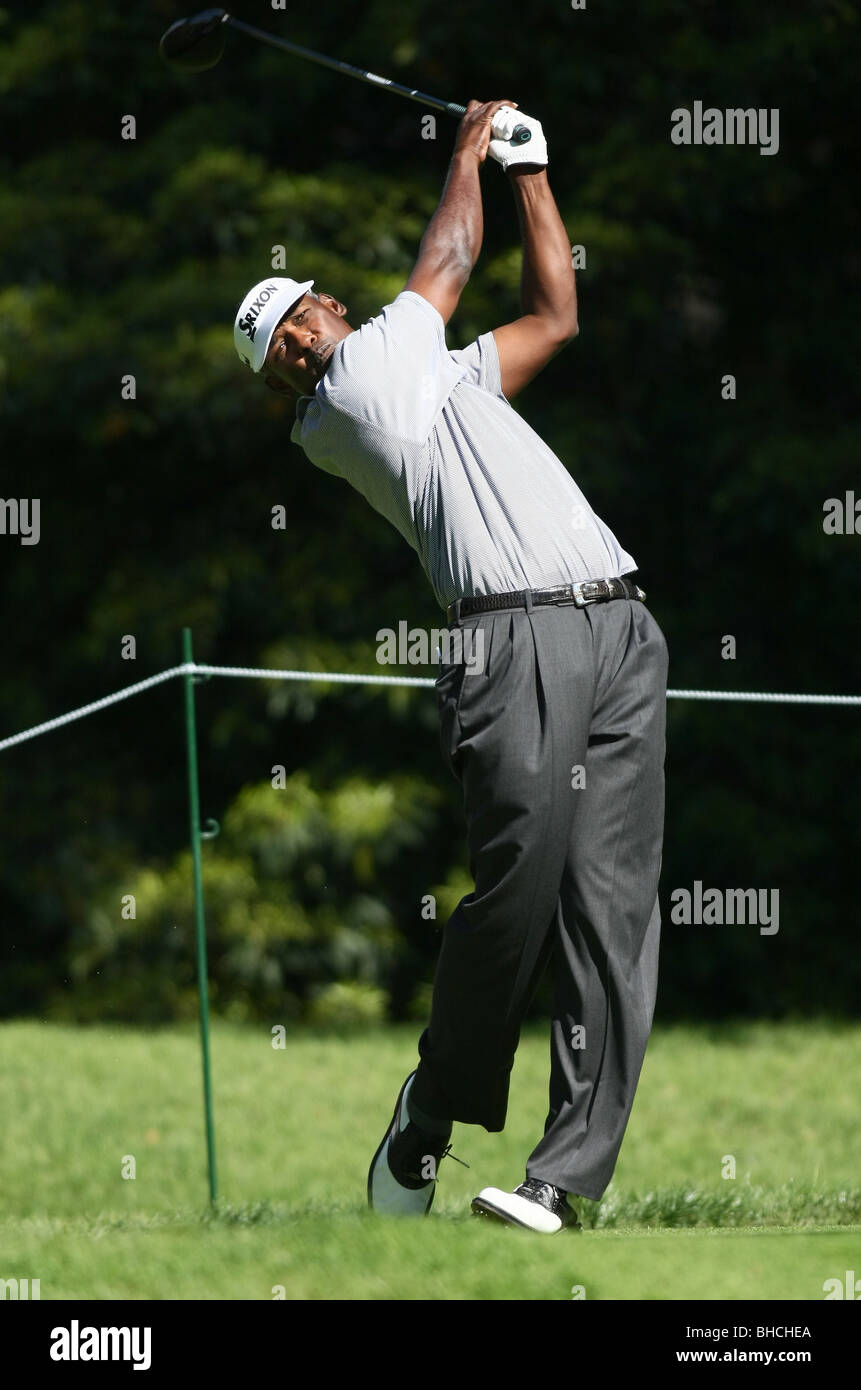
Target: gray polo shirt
(428, 438)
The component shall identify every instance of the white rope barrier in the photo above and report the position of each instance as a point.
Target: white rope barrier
(764, 696)
(345, 678)
(92, 708)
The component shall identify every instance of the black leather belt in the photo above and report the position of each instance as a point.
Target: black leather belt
(587, 591)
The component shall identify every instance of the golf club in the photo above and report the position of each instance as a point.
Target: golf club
(196, 44)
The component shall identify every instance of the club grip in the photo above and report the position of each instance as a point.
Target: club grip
(519, 136)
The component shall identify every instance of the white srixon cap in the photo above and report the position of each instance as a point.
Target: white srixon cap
(259, 314)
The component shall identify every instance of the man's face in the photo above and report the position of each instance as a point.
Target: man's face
(302, 344)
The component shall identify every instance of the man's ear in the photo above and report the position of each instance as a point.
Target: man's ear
(332, 303)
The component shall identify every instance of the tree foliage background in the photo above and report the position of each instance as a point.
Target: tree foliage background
(130, 256)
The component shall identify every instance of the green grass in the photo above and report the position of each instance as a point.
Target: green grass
(296, 1130)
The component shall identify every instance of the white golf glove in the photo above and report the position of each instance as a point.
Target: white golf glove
(534, 151)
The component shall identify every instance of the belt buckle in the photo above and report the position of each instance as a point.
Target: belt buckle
(590, 590)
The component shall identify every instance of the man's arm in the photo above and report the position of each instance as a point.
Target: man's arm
(548, 294)
(451, 244)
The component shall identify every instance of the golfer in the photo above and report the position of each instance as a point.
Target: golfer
(556, 737)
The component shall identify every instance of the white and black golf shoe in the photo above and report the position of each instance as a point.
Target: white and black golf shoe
(402, 1176)
(534, 1205)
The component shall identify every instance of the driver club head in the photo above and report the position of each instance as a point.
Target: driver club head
(195, 44)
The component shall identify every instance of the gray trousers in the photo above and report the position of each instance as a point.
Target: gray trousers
(558, 744)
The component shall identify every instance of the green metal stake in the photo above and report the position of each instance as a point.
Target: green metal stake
(203, 991)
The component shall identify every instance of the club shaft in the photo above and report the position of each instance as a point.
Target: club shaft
(452, 108)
